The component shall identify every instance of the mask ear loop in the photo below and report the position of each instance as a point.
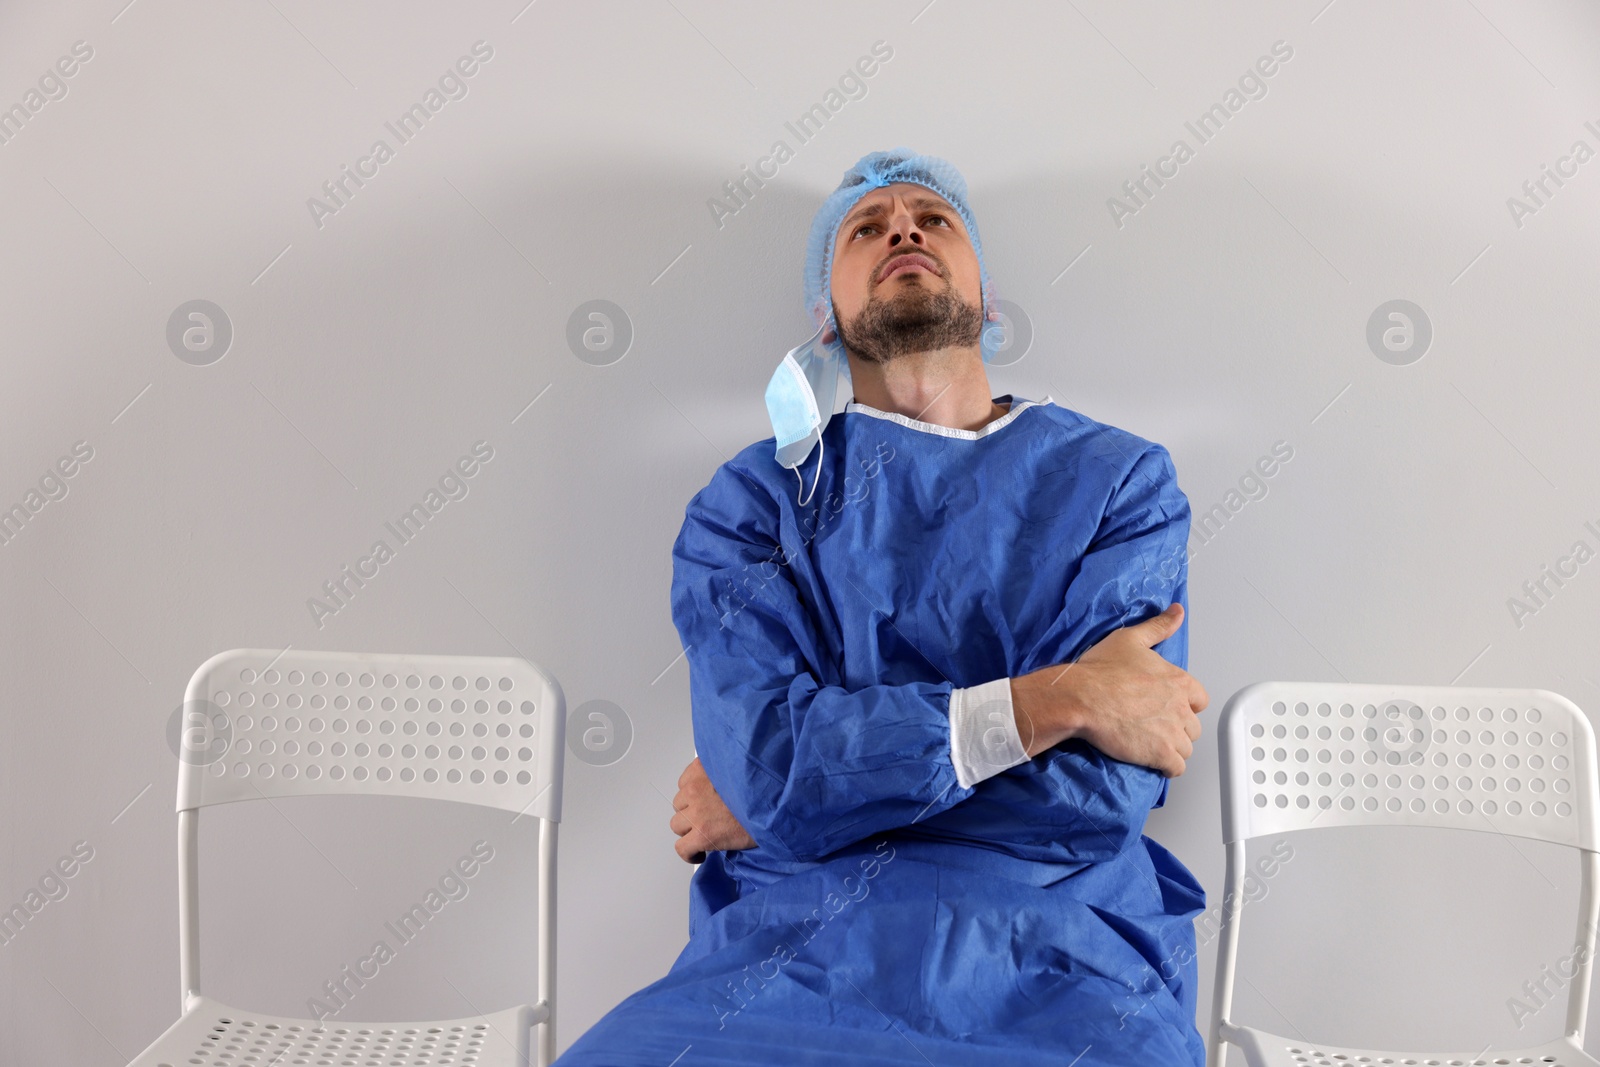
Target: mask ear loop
(821, 448)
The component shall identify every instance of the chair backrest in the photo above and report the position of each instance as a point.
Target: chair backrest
(260, 723)
(271, 723)
(1308, 755)
(1300, 756)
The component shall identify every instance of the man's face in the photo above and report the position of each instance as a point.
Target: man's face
(905, 276)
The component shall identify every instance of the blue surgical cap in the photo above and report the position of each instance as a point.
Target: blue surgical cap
(873, 171)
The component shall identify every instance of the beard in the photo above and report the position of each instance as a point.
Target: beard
(913, 320)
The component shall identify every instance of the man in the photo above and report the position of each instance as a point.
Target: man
(934, 696)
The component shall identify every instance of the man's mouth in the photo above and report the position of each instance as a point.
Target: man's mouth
(908, 262)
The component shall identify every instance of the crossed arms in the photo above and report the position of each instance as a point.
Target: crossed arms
(797, 774)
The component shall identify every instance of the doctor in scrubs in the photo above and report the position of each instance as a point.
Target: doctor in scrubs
(937, 670)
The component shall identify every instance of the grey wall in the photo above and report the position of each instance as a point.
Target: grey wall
(374, 345)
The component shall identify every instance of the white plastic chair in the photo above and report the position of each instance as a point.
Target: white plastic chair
(1299, 756)
(477, 730)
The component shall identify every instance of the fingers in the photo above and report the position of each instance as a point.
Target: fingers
(1176, 758)
(701, 820)
(691, 842)
(689, 850)
(1199, 699)
(691, 772)
(1186, 753)
(1158, 628)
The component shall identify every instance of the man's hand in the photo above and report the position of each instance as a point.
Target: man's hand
(1120, 696)
(702, 821)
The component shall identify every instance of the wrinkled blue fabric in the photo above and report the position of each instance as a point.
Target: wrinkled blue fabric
(888, 915)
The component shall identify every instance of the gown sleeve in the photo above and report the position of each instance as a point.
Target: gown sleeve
(807, 768)
(1073, 798)
(1136, 565)
(1073, 803)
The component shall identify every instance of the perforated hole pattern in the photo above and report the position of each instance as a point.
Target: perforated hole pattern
(233, 1042)
(390, 726)
(1344, 1059)
(1398, 757)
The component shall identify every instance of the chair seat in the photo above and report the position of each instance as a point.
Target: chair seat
(212, 1034)
(1263, 1049)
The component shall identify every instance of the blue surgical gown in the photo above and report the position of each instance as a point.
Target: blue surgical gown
(889, 915)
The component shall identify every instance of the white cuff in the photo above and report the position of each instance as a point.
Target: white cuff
(983, 732)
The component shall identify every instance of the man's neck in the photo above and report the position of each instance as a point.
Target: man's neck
(945, 387)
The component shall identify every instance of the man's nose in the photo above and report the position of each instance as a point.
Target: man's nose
(901, 229)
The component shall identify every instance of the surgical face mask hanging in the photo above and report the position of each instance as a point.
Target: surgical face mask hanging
(800, 400)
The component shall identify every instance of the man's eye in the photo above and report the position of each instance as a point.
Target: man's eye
(939, 218)
(863, 226)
